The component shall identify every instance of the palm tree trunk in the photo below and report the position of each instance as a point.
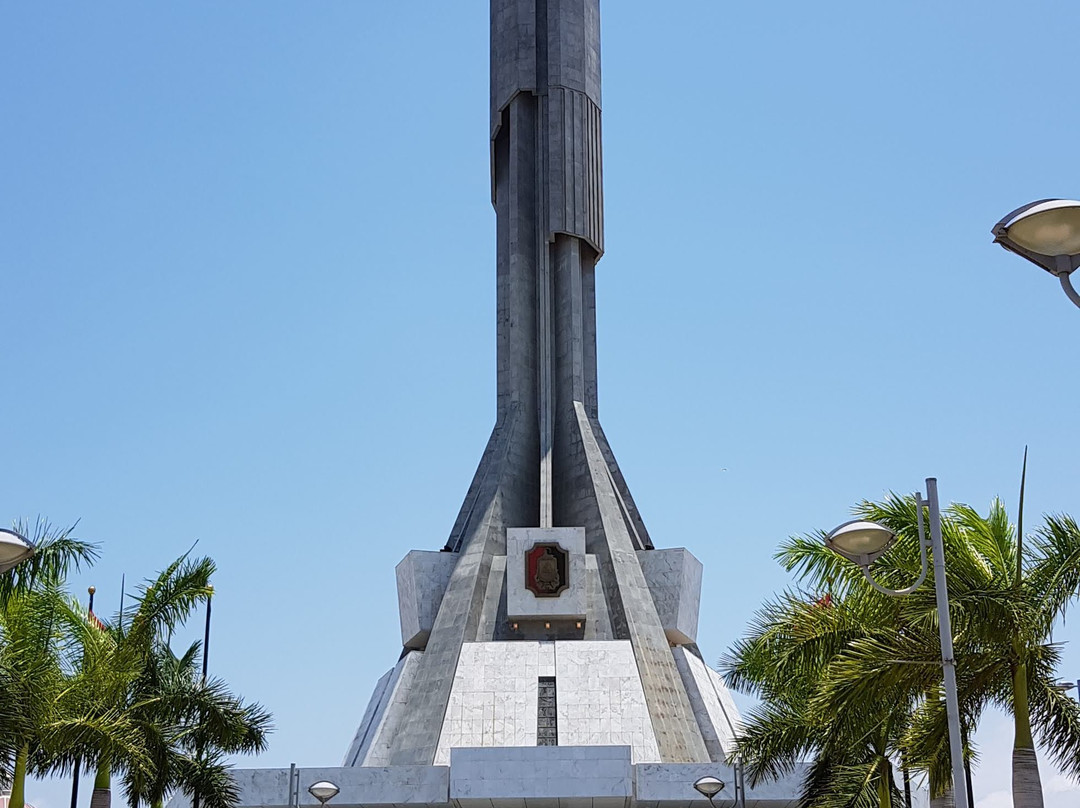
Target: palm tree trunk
(885, 784)
(102, 796)
(907, 789)
(1026, 784)
(18, 783)
(946, 800)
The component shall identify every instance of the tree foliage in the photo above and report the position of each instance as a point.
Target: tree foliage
(850, 676)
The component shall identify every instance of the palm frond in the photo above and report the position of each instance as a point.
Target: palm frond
(56, 553)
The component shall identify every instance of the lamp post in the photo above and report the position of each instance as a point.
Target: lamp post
(78, 759)
(863, 542)
(1046, 233)
(14, 549)
(205, 668)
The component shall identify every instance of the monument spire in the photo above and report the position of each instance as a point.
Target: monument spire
(547, 465)
(547, 188)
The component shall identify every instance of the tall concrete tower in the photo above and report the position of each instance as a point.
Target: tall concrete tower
(549, 649)
(547, 464)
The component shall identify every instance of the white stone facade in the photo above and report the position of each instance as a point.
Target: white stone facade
(600, 700)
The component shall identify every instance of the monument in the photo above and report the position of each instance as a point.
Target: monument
(550, 653)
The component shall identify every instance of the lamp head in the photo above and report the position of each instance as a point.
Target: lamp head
(323, 791)
(860, 541)
(709, 786)
(14, 549)
(1046, 232)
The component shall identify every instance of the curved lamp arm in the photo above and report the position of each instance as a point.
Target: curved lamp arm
(1066, 284)
(919, 503)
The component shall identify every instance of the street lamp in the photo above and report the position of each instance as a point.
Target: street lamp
(709, 787)
(1047, 233)
(14, 549)
(323, 791)
(1065, 687)
(863, 542)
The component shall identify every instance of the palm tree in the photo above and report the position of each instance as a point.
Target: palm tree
(56, 554)
(787, 660)
(1005, 594)
(32, 646)
(47, 720)
(30, 679)
(116, 658)
(191, 724)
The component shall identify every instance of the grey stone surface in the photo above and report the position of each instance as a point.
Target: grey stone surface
(503, 495)
(521, 603)
(360, 786)
(373, 748)
(674, 578)
(598, 623)
(713, 707)
(677, 732)
(671, 786)
(372, 716)
(521, 777)
(422, 577)
(547, 772)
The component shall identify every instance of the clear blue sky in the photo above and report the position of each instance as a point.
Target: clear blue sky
(247, 273)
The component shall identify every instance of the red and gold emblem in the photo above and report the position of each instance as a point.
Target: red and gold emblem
(546, 567)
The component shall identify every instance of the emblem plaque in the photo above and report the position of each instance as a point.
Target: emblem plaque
(546, 568)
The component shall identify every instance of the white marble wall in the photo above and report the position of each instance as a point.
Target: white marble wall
(422, 577)
(494, 701)
(521, 604)
(674, 578)
(600, 698)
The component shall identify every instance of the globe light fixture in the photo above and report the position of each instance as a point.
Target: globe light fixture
(709, 787)
(14, 549)
(860, 541)
(323, 791)
(1046, 233)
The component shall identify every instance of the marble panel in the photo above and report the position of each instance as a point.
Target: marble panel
(540, 773)
(422, 578)
(600, 698)
(674, 579)
(493, 700)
